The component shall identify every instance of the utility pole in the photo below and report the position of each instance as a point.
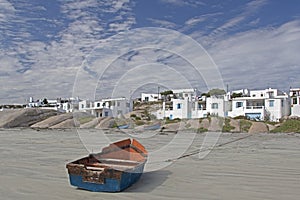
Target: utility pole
(158, 92)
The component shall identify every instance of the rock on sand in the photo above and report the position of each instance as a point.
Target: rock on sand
(258, 127)
(69, 123)
(91, 124)
(23, 117)
(51, 121)
(107, 122)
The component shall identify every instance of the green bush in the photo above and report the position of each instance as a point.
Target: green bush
(241, 117)
(227, 127)
(289, 126)
(139, 123)
(133, 115)
(169, 121)
(137, 118)
(202, 130)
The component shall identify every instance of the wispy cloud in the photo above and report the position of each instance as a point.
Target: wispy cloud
(163, 23)
(193, 3)
(39, 67)
(260, 58)
(252, 6)
(7, 10)
(196, 20)
(249, 9)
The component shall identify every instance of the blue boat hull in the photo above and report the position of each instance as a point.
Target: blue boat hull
(110, 185)
(123, 126)
(117, 167)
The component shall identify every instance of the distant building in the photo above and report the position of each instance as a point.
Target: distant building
(113, 107)
(184, 104)
(85, 105)
(269, 104)
(218, 105)
(146, 97)
(295, 101)
(191, 94)
(59, 104)
(32, 103)
(69, 105)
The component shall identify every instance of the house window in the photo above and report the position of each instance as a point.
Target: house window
(118, 103)
(214, 106)
(271, 103)
(282, 103)
(179, 106)
(98, 104)
(146, 98)
(82, 105)
(294, 101)
(106, 113)
(239, 104)
(199, 106)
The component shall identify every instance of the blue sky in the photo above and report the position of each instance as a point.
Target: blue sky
(254, 43)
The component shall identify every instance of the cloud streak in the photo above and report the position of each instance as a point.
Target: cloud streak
(260, 58)
(192, 3)
(249, 10)
(32, 65)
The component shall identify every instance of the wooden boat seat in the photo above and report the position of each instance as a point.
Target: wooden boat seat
(95, 168)
(121, 161)
(101, 166)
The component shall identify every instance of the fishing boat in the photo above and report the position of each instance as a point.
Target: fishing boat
(114, 169)
(125, 126)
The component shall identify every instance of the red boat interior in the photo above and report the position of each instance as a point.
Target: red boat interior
(122, 155)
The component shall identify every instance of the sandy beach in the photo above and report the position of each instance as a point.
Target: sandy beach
(262, 166)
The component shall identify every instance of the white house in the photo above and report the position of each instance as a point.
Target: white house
(218, 105)
(295, 101)
(85, 105)
(181, 108)
(243, 92)
(68, 105)
(191, 94)
(32, 103)
(145, 97)
(184, 104)
(113, 107)
(269, 104)
(59, 104)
